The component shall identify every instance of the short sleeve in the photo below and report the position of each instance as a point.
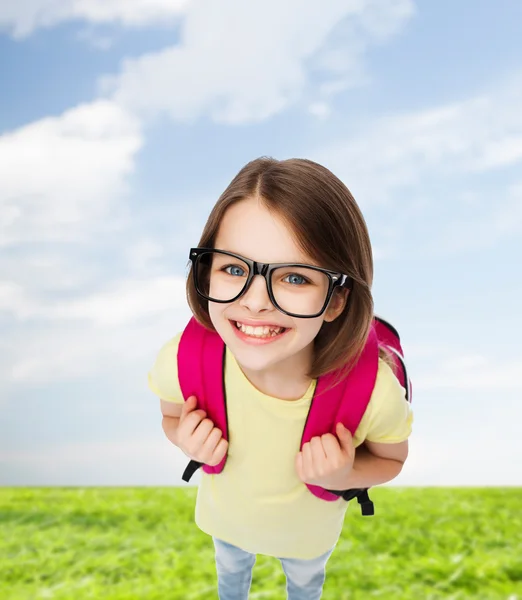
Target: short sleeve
(388, 418)
(163, 377)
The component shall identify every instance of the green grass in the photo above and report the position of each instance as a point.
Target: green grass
(123, 544)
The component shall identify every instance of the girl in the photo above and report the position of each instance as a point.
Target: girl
(282, 328)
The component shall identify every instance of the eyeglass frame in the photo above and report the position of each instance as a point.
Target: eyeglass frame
(335, 278)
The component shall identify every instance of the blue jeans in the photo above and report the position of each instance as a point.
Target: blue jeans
(304, 578)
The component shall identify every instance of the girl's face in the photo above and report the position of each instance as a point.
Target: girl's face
(250, 230)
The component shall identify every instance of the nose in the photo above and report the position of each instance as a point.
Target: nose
(256, 298)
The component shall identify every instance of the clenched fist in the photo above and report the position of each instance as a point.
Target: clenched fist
(327, 460)
(197, 436)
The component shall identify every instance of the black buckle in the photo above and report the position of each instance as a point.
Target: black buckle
(191, 468)
(367, 506)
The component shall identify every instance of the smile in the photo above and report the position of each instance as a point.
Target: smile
(258, 334)
(263, 331)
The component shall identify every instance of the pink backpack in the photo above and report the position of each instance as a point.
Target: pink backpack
(201, 361)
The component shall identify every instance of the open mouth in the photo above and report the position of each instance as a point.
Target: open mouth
(259, 332)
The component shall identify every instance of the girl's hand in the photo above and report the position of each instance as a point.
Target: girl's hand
(197, 436)
(327, 460)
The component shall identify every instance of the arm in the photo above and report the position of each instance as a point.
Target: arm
(331, 460)
(189, 429)
(183, 424)
(334, 464)
(387, 420)
(376, 464)
(171, 412)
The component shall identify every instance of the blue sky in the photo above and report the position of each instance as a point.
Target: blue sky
(122, 122)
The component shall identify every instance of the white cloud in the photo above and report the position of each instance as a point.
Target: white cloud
(22, 18)
(262, 68)
(106, 331)
(61, 174)
(12, 297)
(487, 223)
(152, 461)
(142, 253)
(35, 270)
(480, 134)
(124, 302)
(96, 40)
(321, 110)
(459, 459)
(429, 176)
(472, 372)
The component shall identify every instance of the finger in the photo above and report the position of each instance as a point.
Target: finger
(200, 435)
(209, 444)
(331, 446)
(318, 456)
(219, 453)
(345, 438)
(188, 406)
(190, 422)
(308, 462)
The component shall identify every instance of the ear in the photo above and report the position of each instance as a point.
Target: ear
(336, 304)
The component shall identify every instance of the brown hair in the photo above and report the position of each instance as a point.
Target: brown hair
(328, 226)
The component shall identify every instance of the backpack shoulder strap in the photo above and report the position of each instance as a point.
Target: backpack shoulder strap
(201, 358)
(342, 399)
(389, 338)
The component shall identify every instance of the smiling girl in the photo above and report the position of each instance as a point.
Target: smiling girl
(283, 275)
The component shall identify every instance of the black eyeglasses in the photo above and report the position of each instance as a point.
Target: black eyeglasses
(297, 290)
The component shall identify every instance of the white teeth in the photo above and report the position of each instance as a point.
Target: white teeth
(259, 332)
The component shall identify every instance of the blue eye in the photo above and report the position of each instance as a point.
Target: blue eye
(235, 271)
(295, 279)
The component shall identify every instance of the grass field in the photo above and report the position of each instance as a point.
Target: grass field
(116, 544)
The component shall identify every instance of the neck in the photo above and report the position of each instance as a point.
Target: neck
(287, 380)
